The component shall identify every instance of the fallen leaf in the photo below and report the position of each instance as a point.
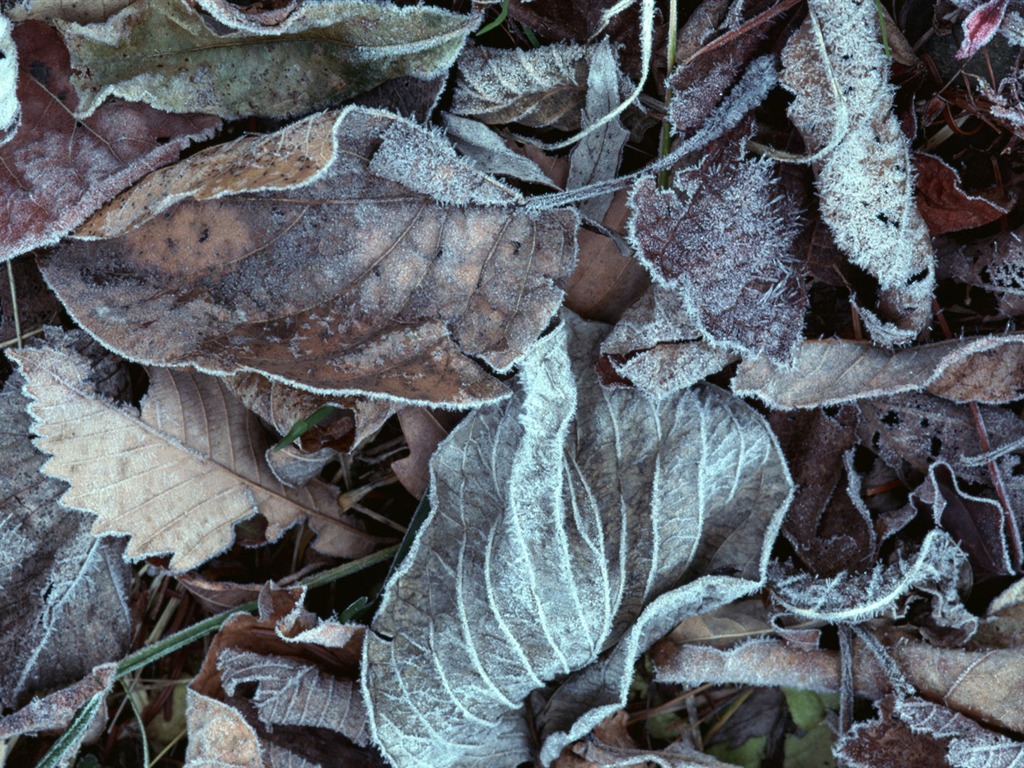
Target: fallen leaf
(57, 169)
(540, 88)
(656, 346)
(981, 26)
(164, 53)
(218, 735)
(490, 153)
(10, 108)
(996, 265)
(352, 284)
(839, 76)
(63, 593)
(942, 201)
(722, 209)
(888, 742)
(206, 447)
(55, 711)
(985, 369)
(597, 156)
(565, 484)
(82, 11)
(423, 430)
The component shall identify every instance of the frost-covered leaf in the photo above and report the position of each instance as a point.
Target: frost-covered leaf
(63, 593)
(289, 692)
(838, 71)
(920, 428)
(82, 11)
(657, 347)
(540, 88)
(187, 468)
(163, 52)
(981, 26)
(56, 170)
(888, 742)
(597, 157)
(10, 109)
(734, 207)
(490, 154)
(315, 268)
(562, 525)
(218, 735)
(986, 369)
(853, 597)
(995, 265)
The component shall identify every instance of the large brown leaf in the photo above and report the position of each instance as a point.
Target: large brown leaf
(57, 170)
(175, 477)
(332, 264)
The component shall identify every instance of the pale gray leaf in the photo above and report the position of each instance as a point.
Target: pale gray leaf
(562, 524)
(10, 107)
(63, 592)
(539, 88)
(988, 369)
(489, 153)
(657, 347)
(290, 692)
(597, 156)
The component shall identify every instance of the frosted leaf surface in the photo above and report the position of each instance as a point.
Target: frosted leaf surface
(175, 477)
(290, 692)
(843, 109)
(490, 154)
(657, 347)
(162, 52)
(10, 109)
(562, 524)
(987, 369)
(63, 593)
(539, 88)
(597, 156)
(55, 170)
(315, 271)
(733, 209)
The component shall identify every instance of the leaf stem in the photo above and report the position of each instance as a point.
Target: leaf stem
(665, 177)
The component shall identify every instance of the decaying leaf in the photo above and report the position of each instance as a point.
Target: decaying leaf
(63, 593)
(423, 430)
(731, 210)
(596, 158)
(995, 265)
(543, 87)
(219, 736)
(163, 52)
(837, 69)
(987, 369)
(350, 282)
(944, 205)
(82, 11)
(490, 154)
(656, 345)
(616, 498)
(10, 109)
(56, 170)
(189, 466)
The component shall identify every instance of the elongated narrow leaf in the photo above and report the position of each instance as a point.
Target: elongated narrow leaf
(562, 524)
(175, 477)
(837, 69)
(985, 370)
(328, 261)
(164, 53)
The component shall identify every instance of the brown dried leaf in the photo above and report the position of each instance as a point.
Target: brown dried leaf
(943, 203)
(55, 711)
(351, 283)
(82, 11)
(424, 430)
(57, 170)
(190, 466)
(218, 736)
(540, 88)
(888, 742)
(987, 369)
(657, 347)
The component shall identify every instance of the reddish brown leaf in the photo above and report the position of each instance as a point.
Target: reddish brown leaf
(57, 170)
(942, 201)
(424, 430)
(980, 26)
